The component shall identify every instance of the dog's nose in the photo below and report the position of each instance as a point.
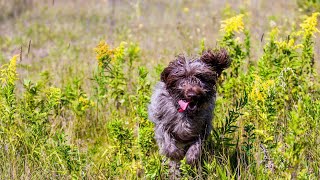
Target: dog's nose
(191, 95)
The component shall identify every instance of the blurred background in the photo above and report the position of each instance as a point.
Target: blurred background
(63, 116)
(55, 35)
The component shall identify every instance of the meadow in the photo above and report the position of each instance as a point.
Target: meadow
(76, 78)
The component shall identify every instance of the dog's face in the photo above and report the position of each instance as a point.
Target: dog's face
(191, 82)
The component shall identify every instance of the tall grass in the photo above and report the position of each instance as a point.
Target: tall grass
(265, 127)
(13, 9)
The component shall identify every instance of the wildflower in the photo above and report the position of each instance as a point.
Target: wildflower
(232, 25)
(104, 53)
(119, 51)
(185, 9)
(274, 33)
(53, 95)
(84, 103)
(260, 89)
(8, 74)
(287, 45)
(309, 25)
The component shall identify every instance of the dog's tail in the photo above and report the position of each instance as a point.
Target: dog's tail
(219, 60)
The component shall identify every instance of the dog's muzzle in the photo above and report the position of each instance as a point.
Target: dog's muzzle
(186, 105)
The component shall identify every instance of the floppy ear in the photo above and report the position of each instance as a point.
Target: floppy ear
(165, 73)
(173, 65)
(219, 60)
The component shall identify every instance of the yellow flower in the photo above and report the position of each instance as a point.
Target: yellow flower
(92, 104)
(185, 9)
(288, 44)
(309, 25)
(103, 53)
(119, 51)
(53, 94)
(84, 103)
(8, 74)
(106, 55)
(260, 89)
(232, 25)
(274, 33)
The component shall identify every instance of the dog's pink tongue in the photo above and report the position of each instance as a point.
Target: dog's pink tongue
(183, 105)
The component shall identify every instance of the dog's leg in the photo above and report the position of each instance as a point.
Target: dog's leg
(194, 152)
(174, 170)
(170, 148)
(167, 144)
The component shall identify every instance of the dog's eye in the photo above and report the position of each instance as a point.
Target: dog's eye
(201, 77)
(205, 77)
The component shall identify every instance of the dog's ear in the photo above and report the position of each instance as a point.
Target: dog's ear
(179, 61)
(219, 60)
(165, 73)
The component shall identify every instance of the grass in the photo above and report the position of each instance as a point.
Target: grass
(73, 102)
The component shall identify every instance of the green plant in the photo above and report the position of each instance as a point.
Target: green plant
(225, 135)
(309, 6)
(27, 134)
(69, 124)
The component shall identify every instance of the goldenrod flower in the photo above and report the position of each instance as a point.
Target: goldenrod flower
(104, 53)
(232, 25)
(274, 33)
(309, 25)
(119, 51)
(8, 74)
(288, 44)
(260, 89)
(84, 103)
(53, 94)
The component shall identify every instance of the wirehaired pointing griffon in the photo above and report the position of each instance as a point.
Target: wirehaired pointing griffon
(182, 104)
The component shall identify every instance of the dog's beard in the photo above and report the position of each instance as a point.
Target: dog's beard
(193, 105)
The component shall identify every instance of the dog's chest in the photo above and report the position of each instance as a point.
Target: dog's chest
(187, 131)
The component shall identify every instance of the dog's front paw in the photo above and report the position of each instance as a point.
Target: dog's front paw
(193, 154)
(173, 152)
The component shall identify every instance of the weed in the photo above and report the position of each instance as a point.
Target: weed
(266, 122)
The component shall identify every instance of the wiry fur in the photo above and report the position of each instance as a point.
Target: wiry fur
(181, 134)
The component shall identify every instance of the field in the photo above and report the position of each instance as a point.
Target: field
(76, 78)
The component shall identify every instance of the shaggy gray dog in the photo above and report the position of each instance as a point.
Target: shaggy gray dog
(183, 102)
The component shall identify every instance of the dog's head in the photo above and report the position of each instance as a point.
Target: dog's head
(191, 82)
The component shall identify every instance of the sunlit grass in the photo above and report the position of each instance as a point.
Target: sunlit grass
(75, 106)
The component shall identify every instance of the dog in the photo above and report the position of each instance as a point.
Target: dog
(182, 104)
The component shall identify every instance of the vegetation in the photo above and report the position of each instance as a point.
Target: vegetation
(95, 125)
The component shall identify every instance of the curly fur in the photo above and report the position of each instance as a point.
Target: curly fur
(180, 134)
